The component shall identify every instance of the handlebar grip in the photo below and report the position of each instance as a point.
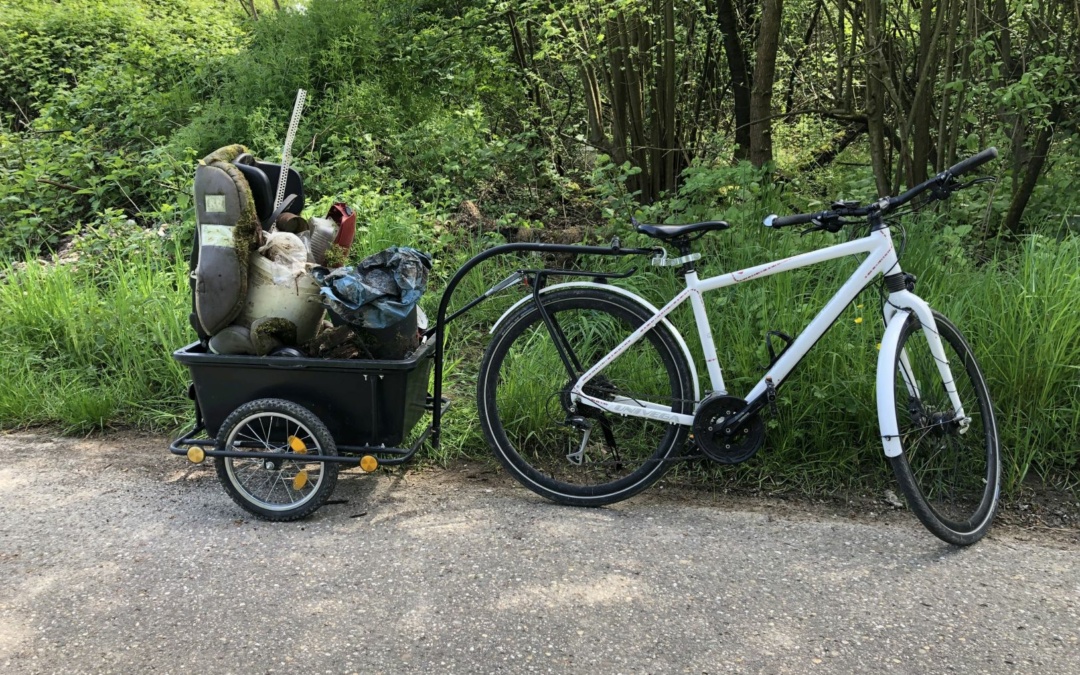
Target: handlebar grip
(970, 163)
(797, 219)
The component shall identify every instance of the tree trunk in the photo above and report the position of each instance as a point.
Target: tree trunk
(945, 134)
(1009, 72)
(705, 84)
(527, 75)
(789, 96)
(1037, 160)
(920, 105)
(840, 142)
(593, 101)
(970, 20)
(629, 38)
(740, 75)
(841, 55)
(667, 103)
(875, 98)
(764, 75)
(656, 138)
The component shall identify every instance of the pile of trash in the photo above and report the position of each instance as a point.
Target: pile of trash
(293, 280)
(263, 277)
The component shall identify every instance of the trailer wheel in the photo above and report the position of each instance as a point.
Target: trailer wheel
(273, 488)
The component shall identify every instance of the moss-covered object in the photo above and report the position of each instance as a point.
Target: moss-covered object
(228, 231)
(247, 228)
(336, 256)
(271, 332)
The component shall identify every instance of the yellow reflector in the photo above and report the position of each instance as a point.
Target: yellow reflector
(297, 445)
(300, 481)
(369, 463)
(196, 455)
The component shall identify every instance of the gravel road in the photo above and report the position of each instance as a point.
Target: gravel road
(117, 557)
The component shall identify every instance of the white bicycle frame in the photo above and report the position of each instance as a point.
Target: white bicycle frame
(880, 259)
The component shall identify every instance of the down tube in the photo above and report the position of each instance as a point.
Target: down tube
(821, 323)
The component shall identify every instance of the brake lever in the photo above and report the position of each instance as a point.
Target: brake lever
(945, 191)
(978, 181)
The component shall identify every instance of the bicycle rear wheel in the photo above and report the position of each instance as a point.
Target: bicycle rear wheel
(577, 454)
(949, 470)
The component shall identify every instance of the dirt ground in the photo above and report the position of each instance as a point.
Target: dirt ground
(116, 556)
(1040, 514)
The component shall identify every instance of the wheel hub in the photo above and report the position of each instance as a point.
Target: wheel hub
(599, 387)
(943, 423)
(714, 435)
(937, 423)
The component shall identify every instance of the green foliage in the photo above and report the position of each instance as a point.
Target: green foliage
(86, 342)
(1023, 322)
(417, 106)
(397, 93)
(83, 128)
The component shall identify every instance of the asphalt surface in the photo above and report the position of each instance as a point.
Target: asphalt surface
(117, 557)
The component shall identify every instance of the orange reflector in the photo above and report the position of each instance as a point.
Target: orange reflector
(297, 445)
(300, 481)
(369, 463)
(196, 455)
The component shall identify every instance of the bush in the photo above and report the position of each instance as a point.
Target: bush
(83, 128)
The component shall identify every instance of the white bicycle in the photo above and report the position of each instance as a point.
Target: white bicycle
(587, 394)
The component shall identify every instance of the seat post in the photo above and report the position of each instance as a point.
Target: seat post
(682, 244)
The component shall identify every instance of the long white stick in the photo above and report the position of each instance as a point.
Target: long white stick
(286, 152)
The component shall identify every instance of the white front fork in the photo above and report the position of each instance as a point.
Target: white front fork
(900, 306)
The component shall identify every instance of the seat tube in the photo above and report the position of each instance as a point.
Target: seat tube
(708, 347)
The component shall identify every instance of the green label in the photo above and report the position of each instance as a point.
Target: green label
(214, 203)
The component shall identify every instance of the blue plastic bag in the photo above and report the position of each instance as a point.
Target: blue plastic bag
(379, 292)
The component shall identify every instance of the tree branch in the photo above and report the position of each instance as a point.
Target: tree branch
(62, 186)
(839, 115)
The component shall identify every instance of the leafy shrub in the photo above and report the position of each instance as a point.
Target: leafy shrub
(88, 113)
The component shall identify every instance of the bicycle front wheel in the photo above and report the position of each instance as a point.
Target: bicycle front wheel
(573, 453)
(950, 466)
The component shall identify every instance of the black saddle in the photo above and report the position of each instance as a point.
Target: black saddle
(672, 232)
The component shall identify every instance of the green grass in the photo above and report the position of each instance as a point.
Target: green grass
(88, 347)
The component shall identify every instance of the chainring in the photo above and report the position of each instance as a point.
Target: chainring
(709, 430)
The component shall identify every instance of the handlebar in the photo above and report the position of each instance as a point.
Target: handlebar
(797, 219)
(945, 179)
(965, 165)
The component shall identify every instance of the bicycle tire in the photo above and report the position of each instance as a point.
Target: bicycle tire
(522, 398)
(274, 423)
(950, 478)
